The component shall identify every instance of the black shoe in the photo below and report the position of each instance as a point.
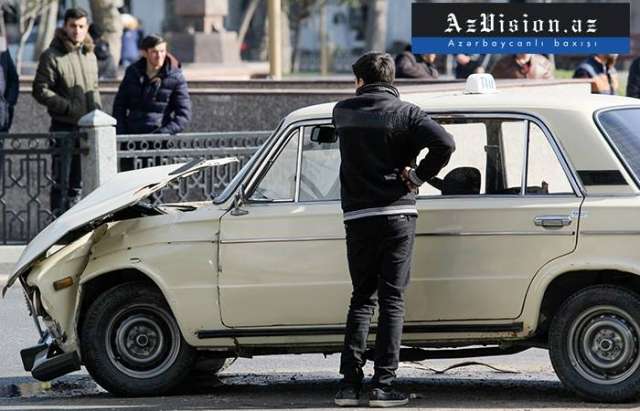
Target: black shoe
(382, 398)
(347, 396)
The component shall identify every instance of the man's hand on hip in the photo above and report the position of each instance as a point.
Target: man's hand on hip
(410, 179)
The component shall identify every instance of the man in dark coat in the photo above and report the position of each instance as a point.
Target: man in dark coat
(66, 80)
(9, 89)
(380, 138)
(153, 96)
(633, 83)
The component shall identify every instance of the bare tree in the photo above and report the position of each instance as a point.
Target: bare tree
(298, 12)
(27, 12)
(3, 30)
(46, 27)
(106, 14)
(246, 20)
(376, 34)
(285, 29)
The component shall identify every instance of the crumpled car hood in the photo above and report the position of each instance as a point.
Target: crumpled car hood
(122, 191)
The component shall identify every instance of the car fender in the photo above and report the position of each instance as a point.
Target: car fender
(569, 263)
(192, 295)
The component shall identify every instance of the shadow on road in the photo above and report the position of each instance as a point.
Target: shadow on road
(255, 391)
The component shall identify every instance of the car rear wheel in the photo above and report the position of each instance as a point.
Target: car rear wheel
(131, 343)
(593, 342)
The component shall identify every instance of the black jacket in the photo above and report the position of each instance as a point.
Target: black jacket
(158, 105)
(633, 84)
(380, 135)
(9, 89)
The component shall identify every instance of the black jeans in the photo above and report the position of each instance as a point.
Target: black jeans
(65, 170)
(379, 253)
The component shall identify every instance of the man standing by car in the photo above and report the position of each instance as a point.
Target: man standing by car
(66, 82)
(380, 138)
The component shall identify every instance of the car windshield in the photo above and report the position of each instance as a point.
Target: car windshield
(622, 126)
(231, 187)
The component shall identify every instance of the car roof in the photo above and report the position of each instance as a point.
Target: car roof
(504, 101)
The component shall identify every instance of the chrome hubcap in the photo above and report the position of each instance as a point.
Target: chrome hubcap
(142, 341)
(603, 345)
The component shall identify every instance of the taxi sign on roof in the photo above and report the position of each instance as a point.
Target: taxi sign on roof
(480, 83)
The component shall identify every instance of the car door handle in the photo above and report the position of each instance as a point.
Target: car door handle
(552, 221)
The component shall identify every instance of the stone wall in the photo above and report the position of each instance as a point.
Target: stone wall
(255, 104)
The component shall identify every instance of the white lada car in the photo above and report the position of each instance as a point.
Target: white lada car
(531, 240)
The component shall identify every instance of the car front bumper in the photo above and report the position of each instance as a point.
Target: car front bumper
(46, 361)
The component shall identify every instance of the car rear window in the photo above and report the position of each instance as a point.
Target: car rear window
(622, 126)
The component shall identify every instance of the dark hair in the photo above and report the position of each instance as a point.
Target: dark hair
(151, 41)
(375, 68)
(75, 14)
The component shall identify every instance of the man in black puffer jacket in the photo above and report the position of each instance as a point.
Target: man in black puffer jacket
(380, 138)
(9, 90)
(153, 96)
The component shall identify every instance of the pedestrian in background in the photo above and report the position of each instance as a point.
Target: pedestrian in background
(523, 66)
(107, 69)
(66, 82)
(153, 96)
(408, 65)
(380, 137)
(131, 39)
(633, 82)
(9, 90)
(467, 65)
(600, 69)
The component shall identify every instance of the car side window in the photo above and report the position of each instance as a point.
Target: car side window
(279, 182)
(320, 169)
(545, 174)
(489, 158)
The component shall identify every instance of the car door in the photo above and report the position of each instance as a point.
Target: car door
(283, 262)
(506, 206)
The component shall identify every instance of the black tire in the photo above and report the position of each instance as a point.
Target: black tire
(593, 343)
(131, 343)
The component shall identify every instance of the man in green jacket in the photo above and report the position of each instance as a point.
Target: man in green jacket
(66, 82)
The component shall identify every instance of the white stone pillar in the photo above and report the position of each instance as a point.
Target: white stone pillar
(99, 158)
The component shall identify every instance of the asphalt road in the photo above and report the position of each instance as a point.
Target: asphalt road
(525, 381)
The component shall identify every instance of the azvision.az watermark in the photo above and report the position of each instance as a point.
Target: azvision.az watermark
(562, 28)
(490, 23)
(546, 42)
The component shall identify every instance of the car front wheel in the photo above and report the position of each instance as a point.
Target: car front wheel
(131, 343)
(594, 343)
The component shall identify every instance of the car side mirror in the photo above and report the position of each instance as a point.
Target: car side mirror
(238, 202)
(324, 134)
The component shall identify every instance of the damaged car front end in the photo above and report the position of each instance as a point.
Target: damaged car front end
(52, 293)
(51, 268)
